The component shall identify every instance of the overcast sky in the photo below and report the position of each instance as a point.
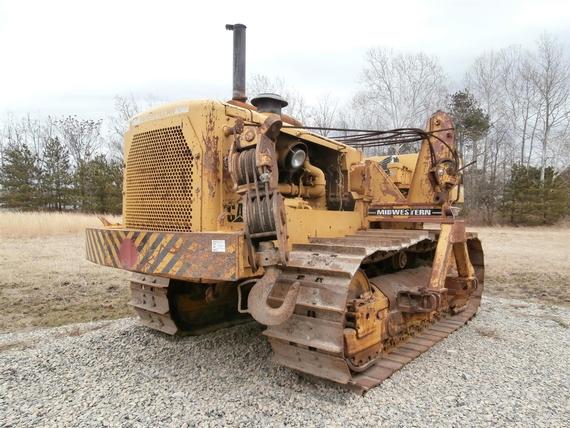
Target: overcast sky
(72, 57)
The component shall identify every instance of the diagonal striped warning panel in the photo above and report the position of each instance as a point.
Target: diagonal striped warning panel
(173, 254)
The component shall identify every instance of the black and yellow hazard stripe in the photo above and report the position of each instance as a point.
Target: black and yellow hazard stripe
(173, 254)
(102, 246)
(158, 252)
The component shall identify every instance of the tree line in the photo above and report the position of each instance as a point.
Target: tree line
(511, 112)
(59, 164)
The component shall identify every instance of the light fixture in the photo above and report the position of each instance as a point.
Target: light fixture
(296, 158)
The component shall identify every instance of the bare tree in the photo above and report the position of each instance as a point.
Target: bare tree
(7, 136)
(518, 102)
(399, 89)
(551, 77)
(32, 129)
(324, 113)
(526, 94)
(81, 136)
(125, 107)
(117, 124)
(297, 106)
(483, 80)
(27, 130)
(260, 83)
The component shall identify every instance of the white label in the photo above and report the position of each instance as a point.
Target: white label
(218, 246)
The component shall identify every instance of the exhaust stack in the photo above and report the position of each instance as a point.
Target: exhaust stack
(239, 61)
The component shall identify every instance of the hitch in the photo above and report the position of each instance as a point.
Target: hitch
(257, 301)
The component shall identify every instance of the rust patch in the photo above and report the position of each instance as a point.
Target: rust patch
(442, 127)
(227, 178)
(211, 155)
(128, 253)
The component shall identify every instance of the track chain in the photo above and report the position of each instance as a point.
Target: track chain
(312, 340)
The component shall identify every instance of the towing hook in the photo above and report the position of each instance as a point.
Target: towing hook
(257, 303)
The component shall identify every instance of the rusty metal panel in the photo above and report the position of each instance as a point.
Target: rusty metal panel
(200, 255)
(441, 258)
(371, 181)
(388, 364)
(149, 298)
(325, 295)
(401, 359)
(311, 362)
(314, 332)
(157, 321)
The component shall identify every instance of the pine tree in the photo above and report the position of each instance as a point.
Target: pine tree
(20, 179)
(56, 175)
(527, 201)
(103, 185)
(115, 187)
(471, 125)
(470, 121)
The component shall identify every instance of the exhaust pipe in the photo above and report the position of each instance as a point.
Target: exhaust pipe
(239, 61)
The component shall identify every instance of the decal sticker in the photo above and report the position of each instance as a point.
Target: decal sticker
(218, 246)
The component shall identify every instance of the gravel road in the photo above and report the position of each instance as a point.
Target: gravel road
(510, 366)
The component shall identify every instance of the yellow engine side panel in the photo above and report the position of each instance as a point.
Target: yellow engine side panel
(303, 224)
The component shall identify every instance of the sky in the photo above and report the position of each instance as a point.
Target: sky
(64, 57)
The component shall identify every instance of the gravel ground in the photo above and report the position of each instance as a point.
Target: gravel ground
(510, 366)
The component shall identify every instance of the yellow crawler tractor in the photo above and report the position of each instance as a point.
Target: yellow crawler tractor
(233, 210)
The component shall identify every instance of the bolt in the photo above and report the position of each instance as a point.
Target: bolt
(249, 135)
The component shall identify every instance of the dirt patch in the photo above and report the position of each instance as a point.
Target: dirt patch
(490, 333)
(81, 329)
(527, 263)
(47, 282)
(562, 323)
(15, 346)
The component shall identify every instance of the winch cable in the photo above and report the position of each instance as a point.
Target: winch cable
(367, 138)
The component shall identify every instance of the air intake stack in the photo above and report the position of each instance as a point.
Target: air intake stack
(239, 61)
(269, 103)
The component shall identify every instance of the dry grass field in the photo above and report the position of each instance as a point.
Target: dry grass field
(45, 280)
(42, 224)
(44, 277)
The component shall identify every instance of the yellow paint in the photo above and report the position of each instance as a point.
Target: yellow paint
(305, 223)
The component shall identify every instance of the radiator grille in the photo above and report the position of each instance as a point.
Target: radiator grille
(159, 181)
